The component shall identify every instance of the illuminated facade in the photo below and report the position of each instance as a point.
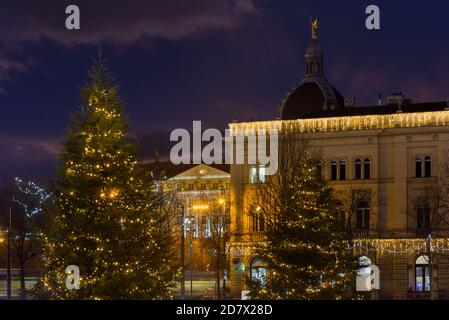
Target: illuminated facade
(394, 150)
(199, 191)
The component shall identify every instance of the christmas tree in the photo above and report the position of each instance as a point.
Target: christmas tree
(304, 250)
(104, 218)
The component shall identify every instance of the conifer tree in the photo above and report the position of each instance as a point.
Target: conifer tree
(104, 218)
(304, 251)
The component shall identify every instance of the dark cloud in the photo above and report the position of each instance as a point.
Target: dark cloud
(118, 21)
(23, 155)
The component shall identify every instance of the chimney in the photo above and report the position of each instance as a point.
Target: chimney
(398, 99)
(350, 103)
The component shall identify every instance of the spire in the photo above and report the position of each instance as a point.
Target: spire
(314, 54)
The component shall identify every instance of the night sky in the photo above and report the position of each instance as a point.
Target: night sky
(185, 60)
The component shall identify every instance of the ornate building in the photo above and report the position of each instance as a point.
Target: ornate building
(195, 194)
(390, 158)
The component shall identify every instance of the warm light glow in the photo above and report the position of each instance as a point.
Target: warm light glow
(258, 209)
(114, 193)
(368, 122)
(200, 207)
(221, 201)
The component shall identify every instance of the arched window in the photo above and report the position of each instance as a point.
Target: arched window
(258, 272)
(333, 170)
(342, 169)
(318, 67)
(367, 168)
(422, 274)
(358, 169)
(363, 216)
(422, 215)
(418, 167)
(428, 167)
(258, 221)
(312, 68)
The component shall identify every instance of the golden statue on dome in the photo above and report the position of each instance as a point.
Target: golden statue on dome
(314, 25)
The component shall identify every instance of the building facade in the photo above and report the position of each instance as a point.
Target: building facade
(195, 196)
(393, 154)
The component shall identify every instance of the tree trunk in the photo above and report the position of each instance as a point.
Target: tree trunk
(22, 280)
(217, 280)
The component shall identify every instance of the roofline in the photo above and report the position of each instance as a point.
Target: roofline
(344, 123)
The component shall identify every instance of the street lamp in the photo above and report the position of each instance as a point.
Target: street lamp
(189, 221)
(183, 275)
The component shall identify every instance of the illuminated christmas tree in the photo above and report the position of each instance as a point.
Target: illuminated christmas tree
(104, 218)
(304, 251)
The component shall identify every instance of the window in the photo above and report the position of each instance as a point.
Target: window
(367, 168)
(179, 187)
(363, 216)
(215, 186)
(203, 186)
(190, 186)
(257, 175)
(418, 167)
(258, 272)
(422, 215)
(422, 274)
(227, 185)
(342, 169)
(427, 167)
(207, 226)
(358, 169)
(333, 170)
(319, 169)
(258, 221)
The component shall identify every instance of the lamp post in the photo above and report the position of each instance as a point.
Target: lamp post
(191, 258)
(429, 254)
(189, 222)
(8, 261)
(183, 271)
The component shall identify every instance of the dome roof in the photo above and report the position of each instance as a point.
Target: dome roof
(310, 97)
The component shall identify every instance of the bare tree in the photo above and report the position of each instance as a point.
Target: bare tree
(25, 200)
(216, 237)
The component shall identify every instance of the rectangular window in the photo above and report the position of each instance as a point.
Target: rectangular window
(343, 170)
(333, 170)
(257, 175)
(422, 278)
(190, 186)
(215, 186)
(367, 169)
(207, 227)
(203, 186)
